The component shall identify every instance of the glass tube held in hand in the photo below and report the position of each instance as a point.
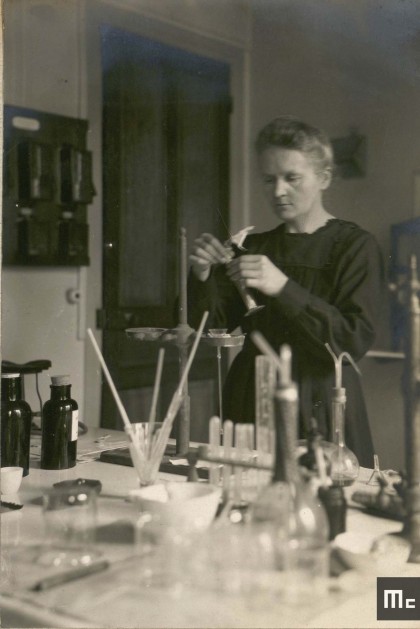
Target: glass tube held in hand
(233, 248)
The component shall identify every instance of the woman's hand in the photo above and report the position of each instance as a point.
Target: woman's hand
(256, 271)
(208, 251)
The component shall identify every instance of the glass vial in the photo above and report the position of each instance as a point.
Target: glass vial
(60, 422)
(16, 421)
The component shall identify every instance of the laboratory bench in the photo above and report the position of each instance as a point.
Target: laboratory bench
(117, 597)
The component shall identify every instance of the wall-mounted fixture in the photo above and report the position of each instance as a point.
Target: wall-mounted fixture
(47, 187)
(350, 155)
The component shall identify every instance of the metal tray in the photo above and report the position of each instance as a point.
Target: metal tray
(163, 335)
(227, 340)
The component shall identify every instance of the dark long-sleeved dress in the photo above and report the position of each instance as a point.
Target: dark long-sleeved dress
(333, 295)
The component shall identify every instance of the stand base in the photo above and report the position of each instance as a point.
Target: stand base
(414, 556)
(121, 456)
(410, 533)
(252, 311)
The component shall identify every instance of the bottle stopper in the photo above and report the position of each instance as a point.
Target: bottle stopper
(60, 380)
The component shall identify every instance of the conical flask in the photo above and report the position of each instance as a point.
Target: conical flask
(344, 463)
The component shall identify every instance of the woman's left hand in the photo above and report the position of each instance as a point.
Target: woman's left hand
(256, 271)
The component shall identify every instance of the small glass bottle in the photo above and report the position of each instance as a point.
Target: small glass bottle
(70, 241)
(335, 505)
(16, 421)
(60, 421)
(344, 463)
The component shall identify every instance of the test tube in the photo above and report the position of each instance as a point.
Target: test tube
(242, 453)
(250, 476)
(214, 442)
(227, 453)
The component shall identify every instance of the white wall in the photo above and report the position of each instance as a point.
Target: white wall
(42, 71)
(340, 65)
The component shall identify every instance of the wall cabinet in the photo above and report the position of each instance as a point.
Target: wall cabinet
(47, 183)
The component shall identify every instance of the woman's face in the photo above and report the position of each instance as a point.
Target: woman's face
(293, 184)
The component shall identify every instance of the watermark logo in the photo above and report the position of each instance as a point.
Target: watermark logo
(398, 598)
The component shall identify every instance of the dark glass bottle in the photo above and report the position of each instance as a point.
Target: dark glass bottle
(308, 458)
(16, 421)
(335, 505)
(59, 427)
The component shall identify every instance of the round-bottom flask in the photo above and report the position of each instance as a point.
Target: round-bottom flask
(344, 463)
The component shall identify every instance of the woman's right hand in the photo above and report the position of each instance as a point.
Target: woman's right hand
(206, 252)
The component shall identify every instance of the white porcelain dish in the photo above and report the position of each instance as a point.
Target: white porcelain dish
(189, 506)
(367, 553)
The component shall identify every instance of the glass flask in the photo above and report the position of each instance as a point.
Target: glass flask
(307, 555)
(344, 463)
(307, 523)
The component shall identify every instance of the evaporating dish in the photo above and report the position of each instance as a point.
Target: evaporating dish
(189, 506)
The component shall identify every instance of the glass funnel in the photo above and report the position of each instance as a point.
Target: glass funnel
(344, 463)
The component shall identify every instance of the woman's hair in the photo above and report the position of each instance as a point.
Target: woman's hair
(288, 132)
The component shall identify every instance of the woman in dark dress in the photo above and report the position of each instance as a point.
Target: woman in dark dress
(320, 279)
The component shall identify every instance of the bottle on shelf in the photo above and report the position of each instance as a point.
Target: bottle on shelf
(16, 421)
(60, 421)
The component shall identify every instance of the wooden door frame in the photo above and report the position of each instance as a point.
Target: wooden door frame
(94, 14)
